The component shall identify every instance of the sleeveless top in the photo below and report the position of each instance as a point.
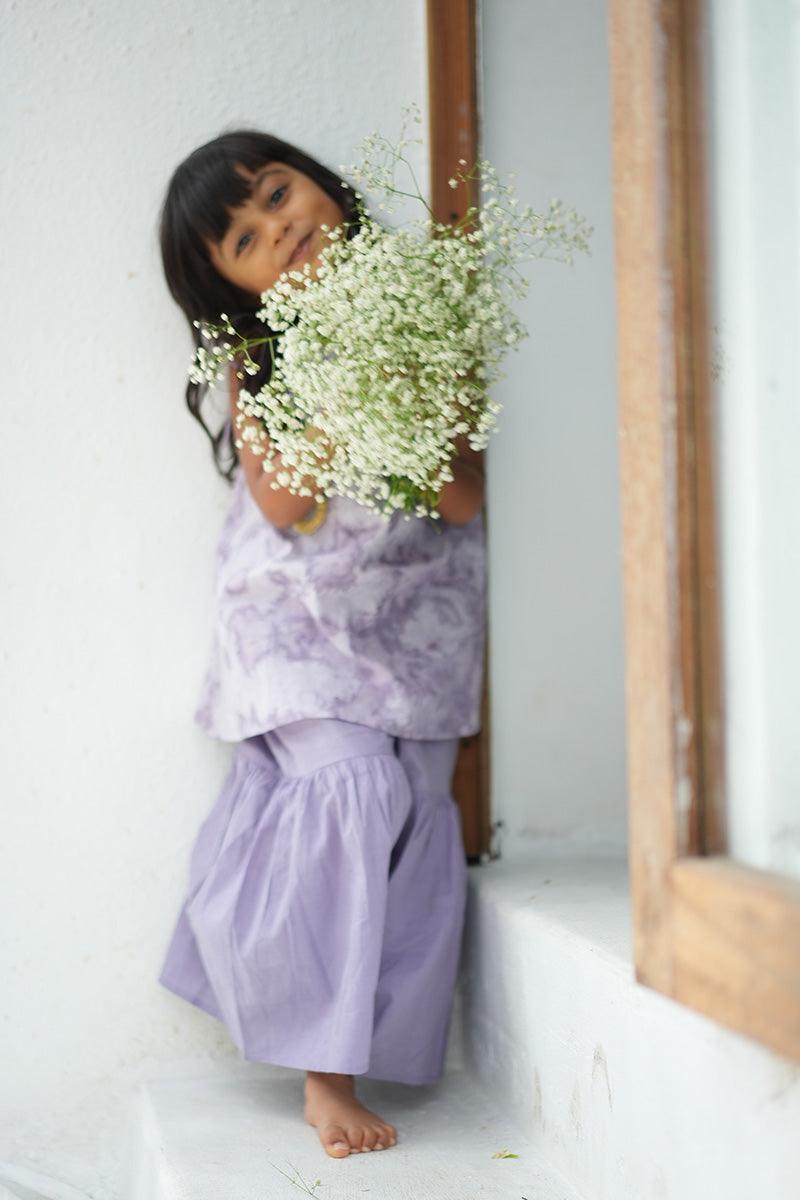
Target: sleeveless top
(372, 620)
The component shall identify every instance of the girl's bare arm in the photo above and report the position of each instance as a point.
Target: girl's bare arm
(280, 506)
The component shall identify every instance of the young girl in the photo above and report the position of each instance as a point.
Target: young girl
(327, 885)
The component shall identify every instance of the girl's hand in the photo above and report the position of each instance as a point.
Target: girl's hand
(462, 498)
(465, 452)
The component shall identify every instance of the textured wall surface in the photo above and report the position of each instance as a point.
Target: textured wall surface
(111, 507)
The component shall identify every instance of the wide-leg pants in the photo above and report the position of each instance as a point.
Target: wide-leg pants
(325, 908)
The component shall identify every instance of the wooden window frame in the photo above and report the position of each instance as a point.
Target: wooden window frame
(453, 134)
(716, 935)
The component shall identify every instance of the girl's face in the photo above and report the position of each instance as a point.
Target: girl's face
(277, 229)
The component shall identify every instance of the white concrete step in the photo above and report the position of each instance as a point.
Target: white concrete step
(629, 1094)
(243, 1138)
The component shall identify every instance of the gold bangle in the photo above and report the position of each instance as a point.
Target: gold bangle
(313, 522)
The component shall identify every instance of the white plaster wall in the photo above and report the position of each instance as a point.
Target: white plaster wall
(558, 739)
(111, 507)
(753, 51)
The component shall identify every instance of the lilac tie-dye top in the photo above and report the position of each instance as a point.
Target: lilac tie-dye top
(367, 620)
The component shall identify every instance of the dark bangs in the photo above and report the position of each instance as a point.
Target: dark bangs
(197, 207)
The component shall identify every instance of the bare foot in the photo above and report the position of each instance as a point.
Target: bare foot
(344, 1125)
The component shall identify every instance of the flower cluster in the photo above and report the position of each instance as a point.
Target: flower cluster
(388, 354)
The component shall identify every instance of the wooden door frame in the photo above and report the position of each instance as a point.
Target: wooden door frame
(712, 933)
(453, 134)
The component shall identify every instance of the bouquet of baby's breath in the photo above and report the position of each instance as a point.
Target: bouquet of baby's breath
(389, 353)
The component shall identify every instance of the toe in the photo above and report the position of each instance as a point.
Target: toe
(336, 1142)
(355, 1136)
(386, 1137)
(370, 1138)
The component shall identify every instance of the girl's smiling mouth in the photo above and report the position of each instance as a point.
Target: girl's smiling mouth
(299, 249)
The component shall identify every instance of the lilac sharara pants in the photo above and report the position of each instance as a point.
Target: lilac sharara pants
(326, 902)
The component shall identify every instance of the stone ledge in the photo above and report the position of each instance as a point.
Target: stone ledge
(629, 1094)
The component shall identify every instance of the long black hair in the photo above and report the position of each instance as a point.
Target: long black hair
(196, 209)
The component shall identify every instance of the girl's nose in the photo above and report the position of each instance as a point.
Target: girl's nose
(281, 233)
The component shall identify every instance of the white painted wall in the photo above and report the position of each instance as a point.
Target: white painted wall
(753, 51)
(111, 507)
(558, 739)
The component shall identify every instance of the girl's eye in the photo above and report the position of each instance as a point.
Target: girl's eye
(243, 242)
